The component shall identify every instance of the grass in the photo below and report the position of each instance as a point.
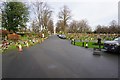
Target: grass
(90, 44)
(24, 38)
(12, 47)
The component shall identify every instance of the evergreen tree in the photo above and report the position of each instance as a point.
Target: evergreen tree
(14, 16)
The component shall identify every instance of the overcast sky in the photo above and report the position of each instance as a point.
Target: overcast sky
(95, 11)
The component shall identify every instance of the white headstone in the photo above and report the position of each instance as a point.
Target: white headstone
(43, 35)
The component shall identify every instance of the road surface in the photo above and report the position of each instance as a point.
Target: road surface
(57, 58)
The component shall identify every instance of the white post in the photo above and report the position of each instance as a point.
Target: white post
(54, 30)
(41, 28)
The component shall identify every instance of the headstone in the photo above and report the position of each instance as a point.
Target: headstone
(20, 47)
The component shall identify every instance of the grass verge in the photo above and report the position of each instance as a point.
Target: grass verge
(90, 44)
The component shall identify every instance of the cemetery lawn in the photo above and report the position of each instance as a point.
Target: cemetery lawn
(90, 44)
(14, 47)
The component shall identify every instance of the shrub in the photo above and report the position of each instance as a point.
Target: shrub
(4, 33)
(13, 36)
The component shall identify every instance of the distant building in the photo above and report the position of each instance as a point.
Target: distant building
(119, 13)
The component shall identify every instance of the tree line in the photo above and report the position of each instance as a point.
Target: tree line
(73, 26)
(112, 28)
(15, 15)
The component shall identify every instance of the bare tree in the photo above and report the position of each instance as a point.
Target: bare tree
(60, 26)
(79, 26)
(35, 27)
(47, 16)
(42, 14)
(113, 27)
(83, 26)
(51, 26)
(113, 23)
(64, 16)
(98, 29)
(73, 27)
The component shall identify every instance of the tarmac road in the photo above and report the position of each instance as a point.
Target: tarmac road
(57, 58)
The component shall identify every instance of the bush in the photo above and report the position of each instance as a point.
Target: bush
(13, 36)
(4, 33)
